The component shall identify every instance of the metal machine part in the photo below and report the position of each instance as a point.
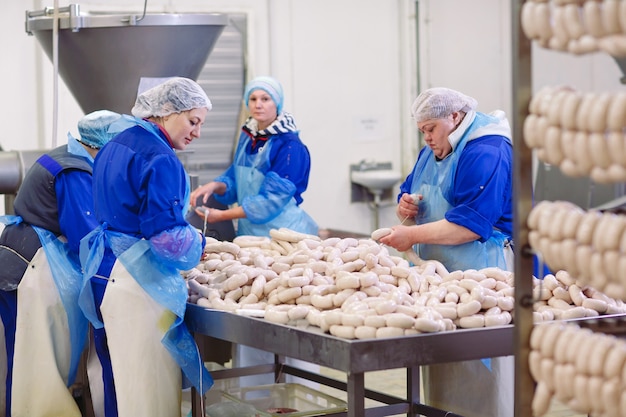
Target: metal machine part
(13, 167)
(103, 57)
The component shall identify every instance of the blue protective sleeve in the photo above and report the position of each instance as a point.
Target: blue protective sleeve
(75, 205)
(482, 192)
(289, 161)
(274, 194)
(180, 247)
(228, 178)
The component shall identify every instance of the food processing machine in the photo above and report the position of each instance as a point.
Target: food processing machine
(104, 57)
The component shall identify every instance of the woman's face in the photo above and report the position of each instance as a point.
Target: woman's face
(185, 126)
(262, 108)
(436, 132)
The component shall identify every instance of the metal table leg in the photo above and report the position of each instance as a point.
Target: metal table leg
(356, 394)
(413, 389)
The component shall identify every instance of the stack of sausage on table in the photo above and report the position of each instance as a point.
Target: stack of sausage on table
(355, 289)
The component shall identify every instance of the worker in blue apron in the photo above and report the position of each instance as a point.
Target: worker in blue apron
(270, 169)
(264, 186)
(136, 308)
(457, 207)
(44, 329)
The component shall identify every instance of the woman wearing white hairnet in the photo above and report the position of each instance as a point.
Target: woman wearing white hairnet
(137, 306)
(462, 217)
(463, 179)
(40, 278)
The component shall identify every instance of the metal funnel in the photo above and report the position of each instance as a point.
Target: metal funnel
(102, 57)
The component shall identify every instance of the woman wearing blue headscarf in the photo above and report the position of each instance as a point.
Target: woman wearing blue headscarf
(456, 207)
(137, 306)
(269, 174)
(270, 169)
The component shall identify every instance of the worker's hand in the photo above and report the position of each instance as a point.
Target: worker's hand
(401, 238)
(407, 206)
(203, 191)
(211, 215)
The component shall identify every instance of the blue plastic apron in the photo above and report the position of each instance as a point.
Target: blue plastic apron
(434, 179)
(249, 179)
(447, 385)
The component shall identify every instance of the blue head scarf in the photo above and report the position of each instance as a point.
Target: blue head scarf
(268, 84)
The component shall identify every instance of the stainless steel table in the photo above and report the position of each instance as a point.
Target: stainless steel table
(354, 357)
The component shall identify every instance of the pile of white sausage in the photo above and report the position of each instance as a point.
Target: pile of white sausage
(582, 134)
(577, 26)
(590, 245)
(583, 370)
(560, 297)
(354, 288)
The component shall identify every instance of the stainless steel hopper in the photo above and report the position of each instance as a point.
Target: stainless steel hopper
(102, 57)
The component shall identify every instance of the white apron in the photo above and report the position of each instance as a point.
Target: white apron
(42, 347)
(125, 308)
(94, 375)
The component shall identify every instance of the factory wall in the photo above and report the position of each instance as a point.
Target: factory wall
(350, 68)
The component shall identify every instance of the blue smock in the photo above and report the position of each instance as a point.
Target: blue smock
(471, 187)
(267, 179)
(141, 192)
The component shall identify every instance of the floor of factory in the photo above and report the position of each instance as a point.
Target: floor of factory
(391, 382)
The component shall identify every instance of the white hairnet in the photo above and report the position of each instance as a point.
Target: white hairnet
(439, 103)
(175, 95)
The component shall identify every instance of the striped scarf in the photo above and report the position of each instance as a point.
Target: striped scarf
(284, 123)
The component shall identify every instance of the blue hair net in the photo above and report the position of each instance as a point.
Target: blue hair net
(268, 84)
(94, 128)
(175, 95)
(439, 103)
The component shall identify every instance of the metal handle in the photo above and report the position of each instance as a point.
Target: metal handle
(72, 9)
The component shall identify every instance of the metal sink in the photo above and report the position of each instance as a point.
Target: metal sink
(377, 180)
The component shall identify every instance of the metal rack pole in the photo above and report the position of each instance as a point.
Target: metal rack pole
(522, 192)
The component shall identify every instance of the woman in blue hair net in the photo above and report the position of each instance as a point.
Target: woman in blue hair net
(269, 174)
(44, 329)
(137, 304)
(462, 216)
